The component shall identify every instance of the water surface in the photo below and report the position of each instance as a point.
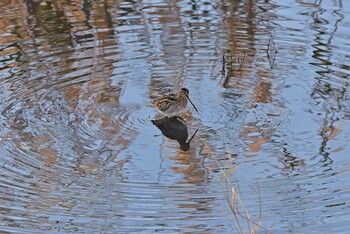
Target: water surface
(79, 151)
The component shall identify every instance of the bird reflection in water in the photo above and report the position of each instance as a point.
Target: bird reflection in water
(175, 128)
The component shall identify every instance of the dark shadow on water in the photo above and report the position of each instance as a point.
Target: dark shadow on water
(175, 128)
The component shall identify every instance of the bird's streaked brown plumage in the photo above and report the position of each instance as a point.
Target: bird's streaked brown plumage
(171, 105)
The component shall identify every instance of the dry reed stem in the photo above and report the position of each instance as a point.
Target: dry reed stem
(234, 201)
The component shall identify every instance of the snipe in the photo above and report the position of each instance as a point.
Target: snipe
(174, 104)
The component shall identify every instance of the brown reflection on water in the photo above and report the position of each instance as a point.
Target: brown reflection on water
(240, 51)
(239, 75)
(189, 165)
(166, 33)
(77, 67)
(260, 131)
(69, 127)
(14, 28)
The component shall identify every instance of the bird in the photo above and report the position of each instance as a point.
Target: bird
(171, 105)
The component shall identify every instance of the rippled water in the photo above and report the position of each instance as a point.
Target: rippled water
(84, 150)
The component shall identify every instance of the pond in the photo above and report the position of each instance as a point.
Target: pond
(84, 150)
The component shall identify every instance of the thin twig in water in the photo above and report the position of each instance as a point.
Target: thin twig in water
(223, 62)
(241, 64)
(271, 41)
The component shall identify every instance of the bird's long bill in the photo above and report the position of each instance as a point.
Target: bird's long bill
(191, 102)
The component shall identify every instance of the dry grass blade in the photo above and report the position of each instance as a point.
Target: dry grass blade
(241, 217)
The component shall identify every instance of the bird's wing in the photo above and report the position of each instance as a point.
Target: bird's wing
(166, 102)
(169, 96)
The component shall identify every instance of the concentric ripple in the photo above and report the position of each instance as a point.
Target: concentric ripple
(222, 115)
(79, 152)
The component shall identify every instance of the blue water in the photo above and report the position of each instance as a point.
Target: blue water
(79, 152)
